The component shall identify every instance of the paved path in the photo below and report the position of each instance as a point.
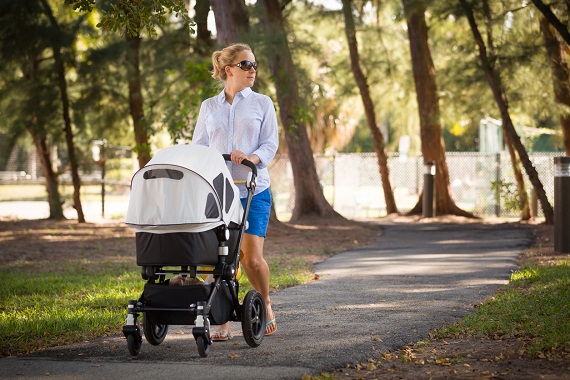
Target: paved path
(416, 277)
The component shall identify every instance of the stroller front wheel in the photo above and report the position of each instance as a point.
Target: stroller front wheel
(154, 333)
(203, 346)
(134, 345)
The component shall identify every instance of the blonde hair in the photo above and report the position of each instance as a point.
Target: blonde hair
(224, 57)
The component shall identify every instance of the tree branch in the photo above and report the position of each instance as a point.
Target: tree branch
(553, 20)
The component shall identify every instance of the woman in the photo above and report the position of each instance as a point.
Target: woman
(243, 123)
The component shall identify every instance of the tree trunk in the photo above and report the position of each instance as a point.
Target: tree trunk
(52, 186)
(433, 146)
(204, 40)
(361, 81)
(553, 20)
(39, 137)
(555, 50)
(62, 83)
(524, 203)
(232, 20)
(494, 81)
(136, 99)
(309, 198)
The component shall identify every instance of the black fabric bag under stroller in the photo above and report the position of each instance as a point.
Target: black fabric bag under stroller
(189, 224)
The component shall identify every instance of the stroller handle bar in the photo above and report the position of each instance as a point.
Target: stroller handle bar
(245, 162)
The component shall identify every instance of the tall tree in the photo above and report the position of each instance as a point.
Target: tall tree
(136, 101)
(132, 17)
(556, 52)
(494, 79)
(62, 84)
(309, 197)
(27, 85)
(362, 83)
(433, 147)
(523, 199)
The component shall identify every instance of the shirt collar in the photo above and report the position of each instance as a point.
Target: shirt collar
(244, 94)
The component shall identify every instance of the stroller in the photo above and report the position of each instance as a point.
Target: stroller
(189, 224)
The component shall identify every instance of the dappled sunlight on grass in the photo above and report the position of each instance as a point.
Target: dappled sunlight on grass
(44, 309)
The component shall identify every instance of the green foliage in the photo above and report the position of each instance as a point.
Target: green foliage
(181, 114)
(135, 16)
(461, 137)
(176, 78)
(509, 194)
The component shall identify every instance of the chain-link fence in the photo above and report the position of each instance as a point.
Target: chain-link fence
(480, 183)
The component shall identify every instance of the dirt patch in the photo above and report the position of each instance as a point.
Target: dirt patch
(49, 244)
(470, 358)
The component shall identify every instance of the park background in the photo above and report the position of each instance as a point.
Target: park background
(86, 59)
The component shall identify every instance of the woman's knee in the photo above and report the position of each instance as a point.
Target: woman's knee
(253, 263)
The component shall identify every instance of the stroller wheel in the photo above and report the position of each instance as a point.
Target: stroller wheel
(203, 346)
(134, 345)
(253, 318)
(154, 333)
(148, 272)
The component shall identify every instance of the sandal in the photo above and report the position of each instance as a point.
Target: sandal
(269, 324)
(221, 336)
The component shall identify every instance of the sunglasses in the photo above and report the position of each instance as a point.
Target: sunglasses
(245, 65)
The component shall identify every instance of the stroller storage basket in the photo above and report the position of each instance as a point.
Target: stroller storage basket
(184, 298)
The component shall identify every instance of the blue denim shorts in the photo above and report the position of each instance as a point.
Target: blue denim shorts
(259, 212)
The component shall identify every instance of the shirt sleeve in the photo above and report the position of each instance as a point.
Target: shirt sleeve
(268, 135)
(200, 135)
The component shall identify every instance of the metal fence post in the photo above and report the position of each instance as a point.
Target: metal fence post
(498, 187)
(428, 205)
(562, 204)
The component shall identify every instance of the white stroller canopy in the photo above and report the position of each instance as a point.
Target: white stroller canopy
(183, 188)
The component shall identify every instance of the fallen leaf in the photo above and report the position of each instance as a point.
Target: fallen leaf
(233, 356)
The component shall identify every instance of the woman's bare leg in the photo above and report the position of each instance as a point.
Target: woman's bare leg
(257, 272)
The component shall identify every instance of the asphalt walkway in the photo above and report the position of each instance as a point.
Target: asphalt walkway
(416, 277)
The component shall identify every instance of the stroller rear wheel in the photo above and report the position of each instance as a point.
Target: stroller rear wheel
(154, 333)
(253, 318)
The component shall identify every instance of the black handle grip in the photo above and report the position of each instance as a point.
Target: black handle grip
(245, 162)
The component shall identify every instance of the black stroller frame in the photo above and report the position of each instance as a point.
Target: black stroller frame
(204, 302)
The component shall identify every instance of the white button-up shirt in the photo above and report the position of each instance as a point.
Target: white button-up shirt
(248, 124)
